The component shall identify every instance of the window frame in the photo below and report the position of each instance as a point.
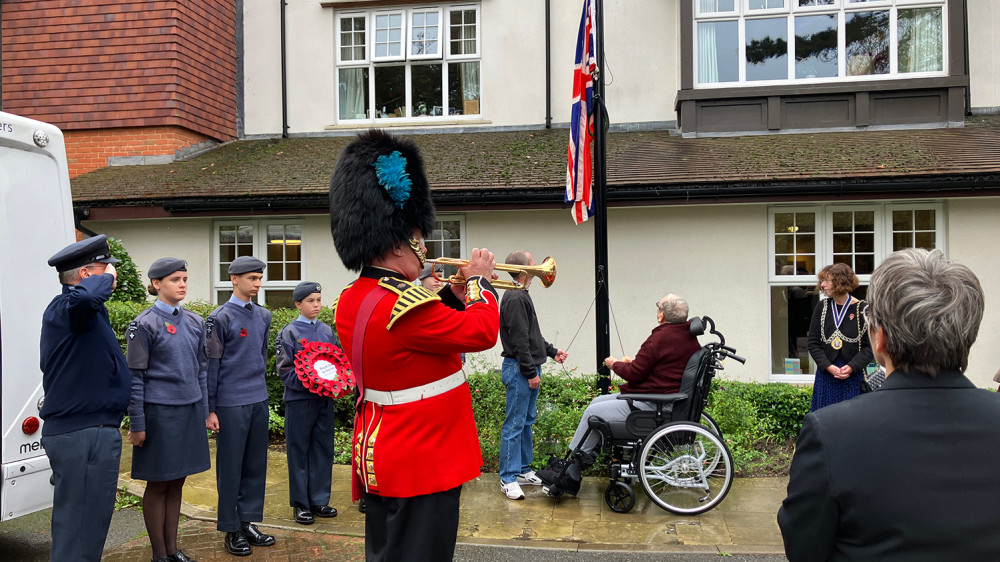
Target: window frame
(841, 8)
(410, 40)
(260, 243)
(825, 251)
(372, 63)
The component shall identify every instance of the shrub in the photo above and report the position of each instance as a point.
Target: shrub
(130, 286)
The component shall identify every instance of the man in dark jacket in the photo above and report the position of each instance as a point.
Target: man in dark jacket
(907, 472)
(524, 353)
(87, 386)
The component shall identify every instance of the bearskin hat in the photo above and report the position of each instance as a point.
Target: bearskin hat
(378, 195)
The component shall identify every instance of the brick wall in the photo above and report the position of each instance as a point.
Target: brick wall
(112, 64)
(90, 150)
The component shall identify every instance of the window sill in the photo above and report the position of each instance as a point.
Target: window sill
(406, 123)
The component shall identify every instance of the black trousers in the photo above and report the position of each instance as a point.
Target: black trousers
(241, 464)
(420, 528)
(309, 448)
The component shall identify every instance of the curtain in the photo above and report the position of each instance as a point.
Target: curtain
(470, 88)
(352, 93)
(708, 57)
(924, 40)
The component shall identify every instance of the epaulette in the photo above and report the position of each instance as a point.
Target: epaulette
(410, 297)
(333, 307)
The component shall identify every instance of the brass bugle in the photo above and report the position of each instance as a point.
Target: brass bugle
(545, 272)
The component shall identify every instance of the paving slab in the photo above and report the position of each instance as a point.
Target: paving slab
(743, 523)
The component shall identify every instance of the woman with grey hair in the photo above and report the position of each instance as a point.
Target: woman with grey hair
(838, 340)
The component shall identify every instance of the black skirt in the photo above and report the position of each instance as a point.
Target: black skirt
(176, 443)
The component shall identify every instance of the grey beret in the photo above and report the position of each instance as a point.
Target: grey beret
(304, 289)
(246, 264)
(81, 253)
(165, 266)
(426, 272)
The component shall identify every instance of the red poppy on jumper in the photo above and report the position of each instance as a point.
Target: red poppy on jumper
(171, 328)
(243, 332)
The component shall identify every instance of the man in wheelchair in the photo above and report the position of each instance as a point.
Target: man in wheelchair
(656, 369)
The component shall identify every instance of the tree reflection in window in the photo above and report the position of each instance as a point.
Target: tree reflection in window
(867, 43)
(767, 49)
(816, 54)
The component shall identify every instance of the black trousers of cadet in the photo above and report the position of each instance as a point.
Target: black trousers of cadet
(420, 528)
(241, 464)
(309, 448)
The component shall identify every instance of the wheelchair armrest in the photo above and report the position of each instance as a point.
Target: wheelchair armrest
(654, 398)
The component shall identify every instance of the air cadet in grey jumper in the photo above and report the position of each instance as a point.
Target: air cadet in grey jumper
(237, 335)
(169, 405)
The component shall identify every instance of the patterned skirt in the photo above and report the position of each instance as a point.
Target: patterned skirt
(828, 389)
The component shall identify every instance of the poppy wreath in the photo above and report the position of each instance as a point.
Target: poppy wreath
(324, 369)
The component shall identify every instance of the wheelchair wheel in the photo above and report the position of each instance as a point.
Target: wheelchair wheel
(619, 496)
(707, 421)
(685, 468)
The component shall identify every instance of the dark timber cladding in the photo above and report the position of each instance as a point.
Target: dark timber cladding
(915, 101)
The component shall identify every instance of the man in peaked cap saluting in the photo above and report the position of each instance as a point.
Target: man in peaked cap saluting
(415, 441)
(237, 335)
(86, 384)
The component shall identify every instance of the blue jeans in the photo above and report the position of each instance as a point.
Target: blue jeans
(516, 451)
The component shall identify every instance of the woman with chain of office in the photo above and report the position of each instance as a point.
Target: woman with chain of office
(838, 338)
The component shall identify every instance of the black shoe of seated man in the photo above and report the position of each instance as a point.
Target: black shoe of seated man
(236, 544)
(255, 537)
(324, 511)
(179, 556)
(303, 516)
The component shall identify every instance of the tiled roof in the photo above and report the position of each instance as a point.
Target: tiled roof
(525, 162)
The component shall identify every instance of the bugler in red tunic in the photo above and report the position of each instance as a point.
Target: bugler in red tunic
(412, 339)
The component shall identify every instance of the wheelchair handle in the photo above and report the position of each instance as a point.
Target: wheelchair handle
(742, 360)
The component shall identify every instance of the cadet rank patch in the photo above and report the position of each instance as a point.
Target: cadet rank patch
(410, 297)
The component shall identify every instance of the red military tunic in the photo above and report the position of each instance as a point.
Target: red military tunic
(429, 445)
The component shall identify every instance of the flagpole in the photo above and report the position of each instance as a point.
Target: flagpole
(603, 337)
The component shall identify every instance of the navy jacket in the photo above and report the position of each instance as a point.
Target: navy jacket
(84, 375)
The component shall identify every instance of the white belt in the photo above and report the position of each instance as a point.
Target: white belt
(431, 389)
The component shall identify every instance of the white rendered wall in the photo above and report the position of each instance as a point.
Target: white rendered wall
(642, 50)
(148, 240)
(984, 61)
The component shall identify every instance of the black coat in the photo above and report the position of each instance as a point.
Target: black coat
(858, 355)
(906, 473)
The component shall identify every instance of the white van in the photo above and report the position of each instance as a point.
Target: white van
(36, 221)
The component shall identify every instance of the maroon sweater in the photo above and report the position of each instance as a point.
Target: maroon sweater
(659, 365)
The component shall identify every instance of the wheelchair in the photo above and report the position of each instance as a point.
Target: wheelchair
(676, 450)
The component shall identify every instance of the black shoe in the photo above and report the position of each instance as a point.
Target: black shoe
(179, 556)
(324, 511)
(236, 544)
(303, 516)
(362, 506)
(255, 537)
(162, 559)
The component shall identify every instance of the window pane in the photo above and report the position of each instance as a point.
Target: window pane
(864, 243)
(352, 38)
(245, 235)
(791, 312)
(423, 34)
(924, 219)
(805, 243)
(766, 4)
(462, 34)
(767, 49)
(710, 6)
(227, 253)
(816, 46)
(902, 220)
(843, 222)
(783, 222)
(227, 234)
(426, 93)
(353, 93)
(867, 43)
(816, 2)
(275, 272)
(279, 299)
(274, 253)
(718, 52)
(864, 264)
(920, 40)
(463, 88)
(388, 35)
(293, 271)
(925, 240)
(901, 241)
(842, 243)
(864, 221)
(390, 91)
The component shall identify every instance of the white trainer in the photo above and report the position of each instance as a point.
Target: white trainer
(512, 490)
(529, 479)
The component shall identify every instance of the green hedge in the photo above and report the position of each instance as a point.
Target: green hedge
(759, 421)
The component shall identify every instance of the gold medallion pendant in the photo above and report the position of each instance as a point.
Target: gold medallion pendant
(836, 343)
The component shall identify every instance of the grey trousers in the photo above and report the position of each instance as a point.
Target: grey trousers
(241, 464)
(85, 468)
(608, 407)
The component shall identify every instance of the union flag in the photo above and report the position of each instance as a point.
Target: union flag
(581, 130)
